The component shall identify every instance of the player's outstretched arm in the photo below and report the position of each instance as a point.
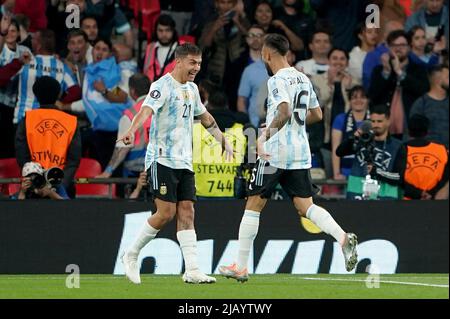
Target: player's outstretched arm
(138, 120)
(314, 115)
(211, 126)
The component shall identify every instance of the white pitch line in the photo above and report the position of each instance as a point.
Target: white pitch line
(380, 281)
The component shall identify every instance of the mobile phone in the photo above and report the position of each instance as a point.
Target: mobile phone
(230, 14)
(440, 33)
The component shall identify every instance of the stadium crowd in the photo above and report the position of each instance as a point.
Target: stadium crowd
(389, 69)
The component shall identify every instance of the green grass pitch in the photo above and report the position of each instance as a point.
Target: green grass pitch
(279, 286)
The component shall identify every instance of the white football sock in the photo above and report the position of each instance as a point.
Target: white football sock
(325, 222)
(146, 234)
(248, 230)
(188, 244)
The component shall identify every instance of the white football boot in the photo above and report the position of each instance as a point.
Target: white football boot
(129, 262)
(197, 277)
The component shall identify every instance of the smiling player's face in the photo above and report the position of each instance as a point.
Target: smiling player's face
(190, 66)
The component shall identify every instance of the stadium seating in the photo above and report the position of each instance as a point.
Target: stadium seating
(91, 168)
(9, 169)
(150, 12)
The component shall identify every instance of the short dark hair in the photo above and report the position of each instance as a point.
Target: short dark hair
(167, 21)
(47, 39)
(435, 69)
(418, 125)
(77, 33)
(47, 90)
(412, 31)
(381, 109)
(105, 40)
(277, 42)
(218, 100)
(339, 49)
(394, 35)
(186, 49)
(140, 83)
(87, 17)
(317, 31)
(356, 88)
(257, 26)
(23, 20)
(15, 23)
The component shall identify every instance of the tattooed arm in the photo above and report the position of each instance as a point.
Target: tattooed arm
(119, 155)
(280, 120)
(211, 126)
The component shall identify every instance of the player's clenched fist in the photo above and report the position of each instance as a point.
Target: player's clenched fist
(127, 139)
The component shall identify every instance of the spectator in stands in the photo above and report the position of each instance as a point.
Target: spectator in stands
(104, 100)
(24, 25)
(320, 46)
(110, 18)
(368, 37)
(373, 58)
(8, 71)
(253, 77)
(9, 52)
(128, 67)
(222, 38)
(289, 16)
(34, 185)
(422, 53)
(49, 136)
(77, 45)
(397, 82)
(432, 15)
(427, 168)
(219, 109)
(205, 88)
(254, 40)
(160, 53)
(133, 155)
(181, 12)
(90, 27)
(342, 17)
(264, 17)
(344, 127)
(434, 105)
(332, 88)
(140, 186)
(385, 156)
(44, 63)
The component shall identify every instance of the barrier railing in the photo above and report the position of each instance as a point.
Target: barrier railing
(126, 180)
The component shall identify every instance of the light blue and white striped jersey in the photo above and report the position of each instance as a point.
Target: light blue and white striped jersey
(174, 106)
(289, 148)
(8, 93)
(39, 66)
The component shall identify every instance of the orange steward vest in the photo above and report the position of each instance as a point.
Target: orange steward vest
(49, 134)
(425, 165)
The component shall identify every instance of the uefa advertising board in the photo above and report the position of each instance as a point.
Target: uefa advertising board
(394, 237)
